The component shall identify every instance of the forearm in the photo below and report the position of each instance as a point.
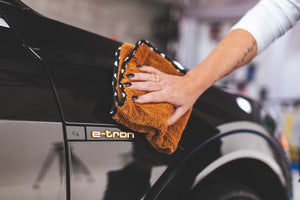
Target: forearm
(265, 22)
(235, 50)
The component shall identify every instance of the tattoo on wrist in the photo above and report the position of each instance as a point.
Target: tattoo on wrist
(239, 62)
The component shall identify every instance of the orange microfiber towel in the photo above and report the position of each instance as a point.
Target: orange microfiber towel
(149, 118)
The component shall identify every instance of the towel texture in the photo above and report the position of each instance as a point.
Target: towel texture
(149, 118)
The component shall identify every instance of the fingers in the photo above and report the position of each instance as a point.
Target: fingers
(149, 69)
(152, 97)
(158, 97)
(145, 81)
(145, 86)
(180, 111)
(151, 74)
(143, 77)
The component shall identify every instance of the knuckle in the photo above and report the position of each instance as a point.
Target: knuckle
(165, 82)
(147, 85)
(140, 86)
(159, 86)
(172, 96)
(150, 77)
(168, 91)
(142, 76)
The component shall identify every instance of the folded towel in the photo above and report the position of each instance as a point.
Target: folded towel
(148, 118)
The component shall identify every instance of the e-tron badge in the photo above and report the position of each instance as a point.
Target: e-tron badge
(105, 133)
(112, 135)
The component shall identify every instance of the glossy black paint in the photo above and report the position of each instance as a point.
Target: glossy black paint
(176, 181)
(80, 63)
(15, 3)
(26, 93)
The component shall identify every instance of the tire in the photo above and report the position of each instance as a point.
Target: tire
(224, 190)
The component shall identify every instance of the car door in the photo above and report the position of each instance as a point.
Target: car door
(32, 152)
(101, 167)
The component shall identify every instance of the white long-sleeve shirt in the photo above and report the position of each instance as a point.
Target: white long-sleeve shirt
(269, 19)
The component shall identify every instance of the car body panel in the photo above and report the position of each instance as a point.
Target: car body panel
(25, 87)
(248, 143)
(32, 160)
(235, 141)
(79, 62)
(95, 182)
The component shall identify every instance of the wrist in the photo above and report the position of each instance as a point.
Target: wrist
(201, 78)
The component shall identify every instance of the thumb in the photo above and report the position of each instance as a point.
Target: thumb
(176, 115)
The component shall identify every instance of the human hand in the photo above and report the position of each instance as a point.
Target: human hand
(161, 87)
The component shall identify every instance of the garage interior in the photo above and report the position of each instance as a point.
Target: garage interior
(188, 30)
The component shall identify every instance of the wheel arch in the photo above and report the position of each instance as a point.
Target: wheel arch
(270, 162)
(256, 173)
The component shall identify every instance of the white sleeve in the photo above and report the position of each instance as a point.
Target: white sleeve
(269, 19)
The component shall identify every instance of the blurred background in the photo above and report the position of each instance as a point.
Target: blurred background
(188, 30)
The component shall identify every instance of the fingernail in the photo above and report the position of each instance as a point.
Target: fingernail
(139, 66)
(134, 97)
(130, 75)
(128, 84)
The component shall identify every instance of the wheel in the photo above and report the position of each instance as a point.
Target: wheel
(224, 190)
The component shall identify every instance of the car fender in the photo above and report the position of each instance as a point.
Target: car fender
(259, 145)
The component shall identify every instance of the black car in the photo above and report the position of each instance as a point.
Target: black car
(56, 94)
